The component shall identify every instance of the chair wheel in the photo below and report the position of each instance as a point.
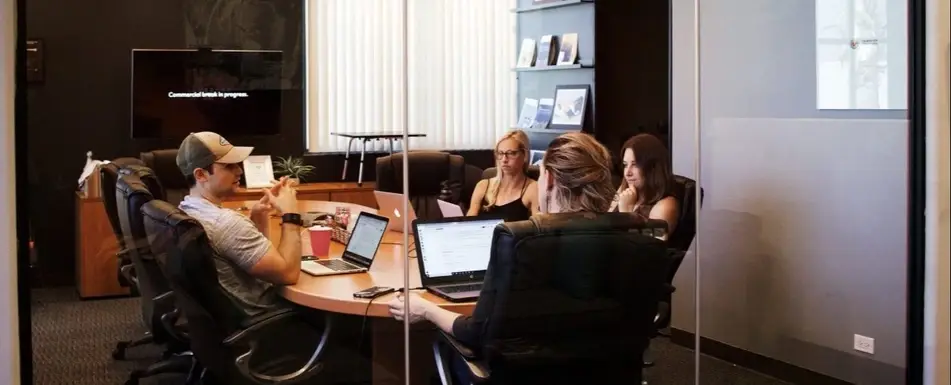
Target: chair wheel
(134, 377)
(119, 352)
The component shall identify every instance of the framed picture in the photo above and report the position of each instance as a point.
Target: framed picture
(536, 157)
(258, 171)
(571, 102)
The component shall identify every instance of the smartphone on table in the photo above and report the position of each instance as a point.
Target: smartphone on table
(373, 292)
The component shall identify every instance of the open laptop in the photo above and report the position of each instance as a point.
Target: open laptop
(449, 210)
(453, 254)
(391, 205)
(358, 255)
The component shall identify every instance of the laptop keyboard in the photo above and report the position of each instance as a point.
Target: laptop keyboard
(336, 264)
(463, 288)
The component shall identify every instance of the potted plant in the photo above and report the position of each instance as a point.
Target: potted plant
(292, 167)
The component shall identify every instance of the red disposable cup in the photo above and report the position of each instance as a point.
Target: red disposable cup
(320, 241)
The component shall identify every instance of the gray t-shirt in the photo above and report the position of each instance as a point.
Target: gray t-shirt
(238, 246)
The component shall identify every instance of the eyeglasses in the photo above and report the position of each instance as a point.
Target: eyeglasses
(508, 154)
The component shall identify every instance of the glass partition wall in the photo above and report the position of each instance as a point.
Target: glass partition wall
(793, 116)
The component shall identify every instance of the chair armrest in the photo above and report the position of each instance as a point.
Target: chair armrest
(128, 272)
(478, 369)
(169, 318)
(260, 324)
(458, 346)
(669, 289)
(254, 325)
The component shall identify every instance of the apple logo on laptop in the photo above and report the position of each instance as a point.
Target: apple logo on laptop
(396, 212)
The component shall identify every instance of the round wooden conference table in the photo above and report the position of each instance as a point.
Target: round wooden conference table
(334, 293)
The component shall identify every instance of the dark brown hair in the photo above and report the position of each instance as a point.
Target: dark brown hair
(581, 170)
(653, 160)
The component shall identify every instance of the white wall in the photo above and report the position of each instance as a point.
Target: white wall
(803, 226)
(9, 349)
(938, 283)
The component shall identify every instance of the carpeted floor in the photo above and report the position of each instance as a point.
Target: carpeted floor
(73, 340)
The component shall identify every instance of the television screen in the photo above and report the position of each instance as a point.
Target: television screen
(233, 93)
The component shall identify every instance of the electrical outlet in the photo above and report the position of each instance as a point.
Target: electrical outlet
(864, 344)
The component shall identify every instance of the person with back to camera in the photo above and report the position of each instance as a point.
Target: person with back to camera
(511, 194)
(646, 189)
(575, 176)
(250, 268)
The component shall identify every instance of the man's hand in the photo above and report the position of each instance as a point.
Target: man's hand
(284, 201)
(261, 209)
(276, 185)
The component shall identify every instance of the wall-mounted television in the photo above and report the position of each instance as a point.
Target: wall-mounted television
(178, 91)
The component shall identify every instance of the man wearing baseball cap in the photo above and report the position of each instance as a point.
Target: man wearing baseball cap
(249, 266)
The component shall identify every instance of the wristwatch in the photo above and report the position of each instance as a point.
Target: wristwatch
(292, 218)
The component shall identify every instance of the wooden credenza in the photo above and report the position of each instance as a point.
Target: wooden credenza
(96, 244)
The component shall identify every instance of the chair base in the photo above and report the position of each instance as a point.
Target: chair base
(119, 352)
(184, 363)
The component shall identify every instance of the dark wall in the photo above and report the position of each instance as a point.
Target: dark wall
(632, 52)
(83, 104)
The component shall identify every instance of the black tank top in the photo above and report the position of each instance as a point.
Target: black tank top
(509, 212)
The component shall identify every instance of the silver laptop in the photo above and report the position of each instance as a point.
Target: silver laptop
(391, 205)
(449, 210)
(364, 242)
(453, 254)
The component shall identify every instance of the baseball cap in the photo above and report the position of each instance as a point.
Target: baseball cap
(202, 149)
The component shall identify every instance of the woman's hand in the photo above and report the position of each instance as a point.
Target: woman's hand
(626, 200)
(417, 311)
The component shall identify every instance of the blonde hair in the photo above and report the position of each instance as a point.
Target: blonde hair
(519, 137)
(581, 170)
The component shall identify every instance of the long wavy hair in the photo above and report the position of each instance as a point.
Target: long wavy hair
(653, 161)
(581, 170)
(519, 137)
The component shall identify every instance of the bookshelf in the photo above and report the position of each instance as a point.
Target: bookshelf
(623, 55)
(556, 18)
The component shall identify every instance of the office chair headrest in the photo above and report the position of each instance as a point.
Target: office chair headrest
(131, 184)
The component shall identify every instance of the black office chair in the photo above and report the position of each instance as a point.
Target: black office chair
(157, 300)
(224, 341)
(163, 164)
(490, 172)
(685, 190)
(432, 173)
(108, 175)
(567, 299)
(147, 176)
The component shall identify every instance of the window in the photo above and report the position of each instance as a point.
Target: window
(457, 87)
(856, 67)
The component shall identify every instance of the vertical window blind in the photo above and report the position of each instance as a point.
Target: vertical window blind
(459, 54)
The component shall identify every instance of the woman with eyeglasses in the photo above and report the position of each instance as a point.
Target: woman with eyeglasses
(511, 194)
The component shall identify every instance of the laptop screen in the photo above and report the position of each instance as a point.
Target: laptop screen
(448, 249)
(365, 237)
